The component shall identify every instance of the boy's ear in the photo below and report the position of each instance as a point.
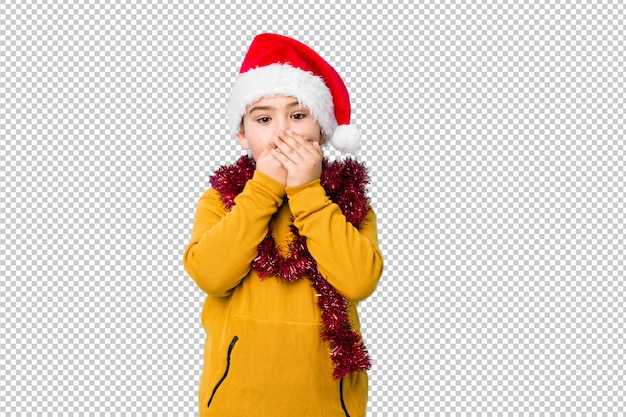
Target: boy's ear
(241, 138)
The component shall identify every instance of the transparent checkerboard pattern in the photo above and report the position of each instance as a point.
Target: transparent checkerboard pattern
(494, 133)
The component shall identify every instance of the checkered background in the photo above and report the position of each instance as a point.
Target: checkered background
(494, 132)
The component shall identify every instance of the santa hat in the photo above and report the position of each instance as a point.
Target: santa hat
(278, 65)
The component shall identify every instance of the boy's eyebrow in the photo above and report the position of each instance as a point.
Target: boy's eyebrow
(264, 108)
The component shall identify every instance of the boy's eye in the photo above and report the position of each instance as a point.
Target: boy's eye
(263, 119)
(299, 116)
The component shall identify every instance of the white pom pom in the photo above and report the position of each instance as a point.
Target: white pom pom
(346, 138)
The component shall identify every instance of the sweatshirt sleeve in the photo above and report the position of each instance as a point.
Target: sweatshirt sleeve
(224, 243)
(349, 258)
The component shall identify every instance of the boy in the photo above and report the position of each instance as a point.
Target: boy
(284, 244)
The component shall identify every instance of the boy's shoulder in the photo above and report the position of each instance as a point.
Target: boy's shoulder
(209, 195)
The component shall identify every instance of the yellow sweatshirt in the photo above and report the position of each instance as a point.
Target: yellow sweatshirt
(263, 353)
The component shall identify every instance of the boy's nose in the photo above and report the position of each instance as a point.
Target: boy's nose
(283, 124)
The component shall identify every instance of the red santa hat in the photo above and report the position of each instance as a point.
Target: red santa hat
(278, 65)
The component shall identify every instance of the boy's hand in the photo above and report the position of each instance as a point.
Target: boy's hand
(302, 158)
(268, 165)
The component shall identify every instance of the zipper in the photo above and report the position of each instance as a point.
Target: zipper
(230, 351)
(343, 404)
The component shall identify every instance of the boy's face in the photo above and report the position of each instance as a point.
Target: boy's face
(265, 117)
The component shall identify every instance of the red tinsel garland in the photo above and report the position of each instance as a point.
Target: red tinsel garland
(344, 183)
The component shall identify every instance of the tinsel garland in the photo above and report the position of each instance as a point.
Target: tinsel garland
(344, 183)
